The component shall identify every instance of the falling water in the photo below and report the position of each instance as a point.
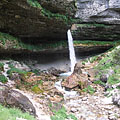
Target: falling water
(64, 75)
(71, 50)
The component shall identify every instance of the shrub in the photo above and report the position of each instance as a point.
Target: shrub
(3, 79)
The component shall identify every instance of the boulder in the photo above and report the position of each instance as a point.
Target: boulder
(13, 98)
(76, 79)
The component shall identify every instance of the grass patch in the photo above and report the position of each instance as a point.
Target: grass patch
(3, 79)
(99, 82)
(16, 70)
(12, 114)
(89, 89)
(110, 62)
(95, 43)
(114, 79)
(62, 115)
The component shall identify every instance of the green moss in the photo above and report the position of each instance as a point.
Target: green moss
(92, 25)
(16, 70)
(49, 14)
(8, 40)
(95, 43)
(3, 79)
(34, 3)
(36, 89)
(12, 114)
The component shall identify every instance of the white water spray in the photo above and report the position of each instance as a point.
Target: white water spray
(71, 51)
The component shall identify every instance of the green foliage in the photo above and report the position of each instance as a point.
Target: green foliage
(3, 79)
(95, 43)
(116, 57)
(49, 14)
(36, 89)
(111, 61)
(114, 79)
(93, 59)
(89, 89)
(34, 3)
(99, 82)
(1, 66)
(16, 70)
(12, 40)
(12, 114)
(62, 115)
(92, 25)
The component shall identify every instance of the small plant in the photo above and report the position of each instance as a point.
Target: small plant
(1, 66)
(3, 79)
(62, 115)
(114, 79)
(36, 89)
(99, 82)
(89, 89)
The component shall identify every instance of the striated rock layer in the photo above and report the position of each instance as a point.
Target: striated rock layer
(102, 18)
(36, 18)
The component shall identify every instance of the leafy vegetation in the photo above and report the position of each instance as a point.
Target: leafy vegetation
(37, 90)
(16, 70)
(3, 79)
(95, 43)
(89, 89)
(110, 62)
(49, 14)
(62, 115)
(99, 82)
(13, 114)
(1, 66)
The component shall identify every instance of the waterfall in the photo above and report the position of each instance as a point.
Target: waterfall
(71, 50)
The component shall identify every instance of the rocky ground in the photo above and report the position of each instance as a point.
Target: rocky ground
(36, 92)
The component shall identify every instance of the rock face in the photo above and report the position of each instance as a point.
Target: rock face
(36, 18)
(106, 13)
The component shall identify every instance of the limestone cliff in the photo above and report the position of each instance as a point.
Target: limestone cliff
(102, 18)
